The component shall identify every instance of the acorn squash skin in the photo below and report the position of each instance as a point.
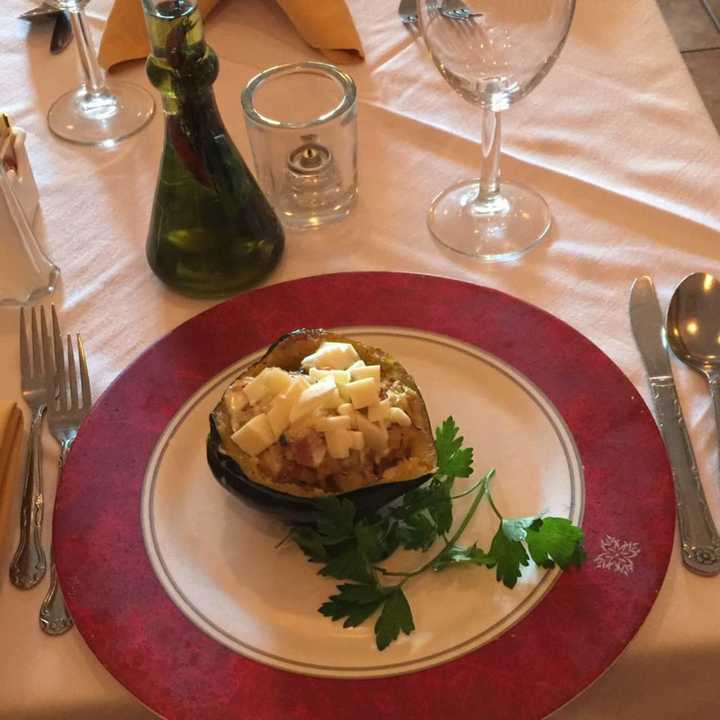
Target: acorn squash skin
(287, 352)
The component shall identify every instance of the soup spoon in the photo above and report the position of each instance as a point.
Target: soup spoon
(693, 333)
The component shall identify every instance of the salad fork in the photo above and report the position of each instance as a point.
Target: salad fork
(36, 367)
(66, 410)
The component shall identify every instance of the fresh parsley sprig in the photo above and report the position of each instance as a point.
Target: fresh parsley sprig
(352, 547)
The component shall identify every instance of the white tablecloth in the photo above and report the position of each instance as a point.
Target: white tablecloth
(617, 140)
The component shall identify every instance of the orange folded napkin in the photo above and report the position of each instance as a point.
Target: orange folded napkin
(326, 26)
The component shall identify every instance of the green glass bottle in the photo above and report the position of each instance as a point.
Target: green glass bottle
(212, 231)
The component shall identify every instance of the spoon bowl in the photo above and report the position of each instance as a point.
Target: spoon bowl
(693, 324)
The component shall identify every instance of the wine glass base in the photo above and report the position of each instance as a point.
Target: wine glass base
(501, 229)
(117, 112)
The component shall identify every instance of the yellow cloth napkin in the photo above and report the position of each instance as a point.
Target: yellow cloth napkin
(11, 429)
(327, 26)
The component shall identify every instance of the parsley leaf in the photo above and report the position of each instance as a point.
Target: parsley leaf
(508, 555)
(353, 558)
(515, 529)
(310, 542)
(348, 562)
(395, 616)
(355, 603)
(441, 509)
(555, 540)
(453, 459)
(431, 502)
(419, 499)
(459, 555)
(376, 540)
(334, 519)
(417, 532)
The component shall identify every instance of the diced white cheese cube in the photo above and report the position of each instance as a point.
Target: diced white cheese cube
(331, 355)
(345, 409)
(333, 422)
(363, 393)
(276, 380)
(379, 412)
(254, 436)
(367, 371)
(333, 400)
(256, 390)
(296, 388)
(312, 398)
(279, 415)
(376, 436)
(338, 443)
(341, 376)
(399, 416)
(357, 440)
(357, 364)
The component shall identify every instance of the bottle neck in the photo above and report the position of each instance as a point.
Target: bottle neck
(180, 65)
(189, 83)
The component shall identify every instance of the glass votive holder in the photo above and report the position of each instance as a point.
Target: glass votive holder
(302, 124)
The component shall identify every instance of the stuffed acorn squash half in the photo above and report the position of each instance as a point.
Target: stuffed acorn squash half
(320, 414)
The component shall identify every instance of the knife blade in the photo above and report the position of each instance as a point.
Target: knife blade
(62, 34)
(42, 12)
(699, 539)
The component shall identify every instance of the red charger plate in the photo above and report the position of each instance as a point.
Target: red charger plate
(545, 660)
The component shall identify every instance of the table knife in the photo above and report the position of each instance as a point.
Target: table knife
(42, 12)
(62, 29)
(62, 34)
(699, 539)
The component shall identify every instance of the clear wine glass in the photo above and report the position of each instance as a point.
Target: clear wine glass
(492, 57)
(99, 112)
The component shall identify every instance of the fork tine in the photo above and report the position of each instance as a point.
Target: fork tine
(84, 376)
(72, 375)
(59, 361)
(48, 364)
(24, 350)
(36, 347)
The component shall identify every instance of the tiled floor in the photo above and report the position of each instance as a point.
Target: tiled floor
(697, 34)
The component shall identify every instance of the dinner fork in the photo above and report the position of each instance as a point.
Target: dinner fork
(450, 9)
(457, 10)
(29, 564)
(408, 12)
(66, 410)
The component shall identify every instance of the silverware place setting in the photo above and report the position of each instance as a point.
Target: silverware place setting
(691, 328)
(55, 383)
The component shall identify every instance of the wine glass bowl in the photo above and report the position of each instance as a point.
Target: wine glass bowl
(492, 59)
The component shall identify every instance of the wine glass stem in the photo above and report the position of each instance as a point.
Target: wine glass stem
(94, 75)
(490, 168)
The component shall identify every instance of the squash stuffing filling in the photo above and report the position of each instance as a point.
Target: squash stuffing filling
(334, 425)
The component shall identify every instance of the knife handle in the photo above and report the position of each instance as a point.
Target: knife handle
(700, 542)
